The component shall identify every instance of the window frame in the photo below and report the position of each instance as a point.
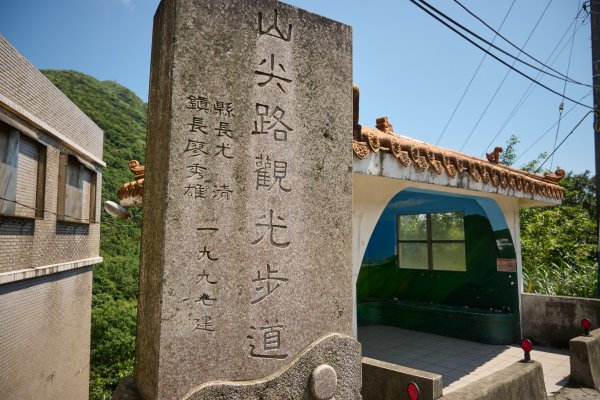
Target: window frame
(429, 241)
(40, 188)
(64, 160)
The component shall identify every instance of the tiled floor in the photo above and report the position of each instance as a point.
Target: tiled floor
(460, 362)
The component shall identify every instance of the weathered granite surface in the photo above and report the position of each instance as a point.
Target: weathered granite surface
(246, 240)
(329, 364)
(337, 353)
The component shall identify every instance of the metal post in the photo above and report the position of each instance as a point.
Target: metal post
(595, 24)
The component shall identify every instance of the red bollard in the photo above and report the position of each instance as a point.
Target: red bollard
(586, 324)
(527, 346)
(413, 391)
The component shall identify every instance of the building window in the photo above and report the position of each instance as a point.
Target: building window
(434, 241)
(77, 191)
(22, 174)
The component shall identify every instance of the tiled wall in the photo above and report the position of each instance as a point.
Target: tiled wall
(26, 243)
(29, 90)
(45, 321)
(45, 337)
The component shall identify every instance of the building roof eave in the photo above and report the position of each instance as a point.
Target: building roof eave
(390, 155)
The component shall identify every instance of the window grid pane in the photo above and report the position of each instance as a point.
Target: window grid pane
(447, 226)
(413, 255)
(74, 190)
(449, 256)
(431, 241)
(412, 227)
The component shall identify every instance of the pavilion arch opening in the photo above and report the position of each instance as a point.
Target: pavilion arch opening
(441, 263)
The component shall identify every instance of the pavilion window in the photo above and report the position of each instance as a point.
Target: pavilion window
(431, 241)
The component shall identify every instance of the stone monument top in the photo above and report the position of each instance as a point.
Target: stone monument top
(246, 269)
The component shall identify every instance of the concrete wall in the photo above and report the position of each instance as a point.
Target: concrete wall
(554, 320)
(382, 381)
(519, 381)
(45, 337)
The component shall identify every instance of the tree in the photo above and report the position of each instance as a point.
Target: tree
(509, 154)
(581, 190)
(559, 244)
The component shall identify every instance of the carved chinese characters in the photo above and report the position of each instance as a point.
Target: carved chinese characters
(210, 139)
(269, 342)
(267, 284)
(273, 29)
(248, 185)
(272, 128)
(271, 123)
(200, 151)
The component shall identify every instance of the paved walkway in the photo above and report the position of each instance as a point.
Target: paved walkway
(460, 362)
(568, 393)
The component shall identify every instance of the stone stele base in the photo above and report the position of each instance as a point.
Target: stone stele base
(327, 369)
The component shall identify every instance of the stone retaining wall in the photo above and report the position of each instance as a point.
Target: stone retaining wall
(554, 320)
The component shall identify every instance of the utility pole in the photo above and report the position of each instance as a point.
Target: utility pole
(595, 24)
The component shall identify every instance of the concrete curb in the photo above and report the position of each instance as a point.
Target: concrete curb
(516, 382)
(585, 359)
(383, 380)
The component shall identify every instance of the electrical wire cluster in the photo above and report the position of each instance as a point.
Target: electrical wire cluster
(523, 59)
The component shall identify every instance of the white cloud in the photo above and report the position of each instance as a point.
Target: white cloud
(128, 4)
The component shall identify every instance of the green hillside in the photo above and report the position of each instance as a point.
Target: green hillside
(122, 117)
(120, 114)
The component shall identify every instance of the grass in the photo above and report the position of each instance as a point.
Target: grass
(562, 279)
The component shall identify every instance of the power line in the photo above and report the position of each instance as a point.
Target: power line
(562, 105)
(500, 60)
(516, 58)
(504, 79)
(532, 86)
(563, 141)
(473, 77)
(565, 76)
(549, 129)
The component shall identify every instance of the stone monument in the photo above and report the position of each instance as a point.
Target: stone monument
(246, 269)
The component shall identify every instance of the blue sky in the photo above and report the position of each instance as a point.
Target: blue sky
(409, 66)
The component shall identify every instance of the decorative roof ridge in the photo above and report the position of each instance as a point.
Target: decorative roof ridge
(474, 158)
(130, 194)
(425, 156)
